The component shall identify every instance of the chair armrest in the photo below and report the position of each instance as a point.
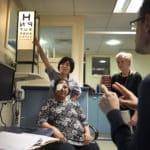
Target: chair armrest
(95, 131)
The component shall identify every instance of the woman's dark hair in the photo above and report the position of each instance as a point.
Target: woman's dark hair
(70, 60)
(145, 8)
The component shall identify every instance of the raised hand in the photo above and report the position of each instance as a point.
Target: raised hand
(128, 99)
(109, 100)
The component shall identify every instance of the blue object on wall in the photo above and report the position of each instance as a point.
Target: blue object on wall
(35, 97)
(96, 117)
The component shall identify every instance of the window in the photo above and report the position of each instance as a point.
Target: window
(100, 66)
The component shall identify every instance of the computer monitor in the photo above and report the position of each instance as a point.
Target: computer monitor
(7, 74)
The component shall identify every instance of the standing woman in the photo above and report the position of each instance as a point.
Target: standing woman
(128, 78)
(65, 66)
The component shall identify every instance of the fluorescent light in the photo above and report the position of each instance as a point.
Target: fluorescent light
(102, 61)
(134, 6)
(127, 6)
(119, 6)
(113, 42)
(111, 32)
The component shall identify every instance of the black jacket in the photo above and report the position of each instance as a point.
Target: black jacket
(121, 133)
(131, 82)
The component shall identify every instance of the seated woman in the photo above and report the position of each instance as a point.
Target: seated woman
(67, 121)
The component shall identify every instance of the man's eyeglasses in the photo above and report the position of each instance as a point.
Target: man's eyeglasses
(133, 23)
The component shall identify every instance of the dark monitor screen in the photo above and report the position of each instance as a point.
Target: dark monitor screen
(6, 82)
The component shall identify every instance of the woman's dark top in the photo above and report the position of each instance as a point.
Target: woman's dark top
(131, 82)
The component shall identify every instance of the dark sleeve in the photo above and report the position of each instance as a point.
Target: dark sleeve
(52, 74)
(138, 78)
(80, 112)
(143, 125)
(44, 112)
(120, 132)
(115, 78)
(134, 82)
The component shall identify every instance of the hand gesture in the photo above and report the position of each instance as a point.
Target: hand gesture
(109, 100)
(128, 99)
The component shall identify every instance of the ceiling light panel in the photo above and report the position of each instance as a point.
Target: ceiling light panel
(127, 6)
(134, 6)
(113, 42)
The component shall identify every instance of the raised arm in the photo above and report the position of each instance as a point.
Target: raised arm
(120, 131)
(42, 54)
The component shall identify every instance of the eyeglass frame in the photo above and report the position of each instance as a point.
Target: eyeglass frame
(136, 20)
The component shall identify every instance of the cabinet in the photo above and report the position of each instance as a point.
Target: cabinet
(96, 117)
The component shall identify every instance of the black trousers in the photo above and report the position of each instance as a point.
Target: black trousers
(67, 146)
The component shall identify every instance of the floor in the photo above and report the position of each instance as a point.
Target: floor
(105, 143)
